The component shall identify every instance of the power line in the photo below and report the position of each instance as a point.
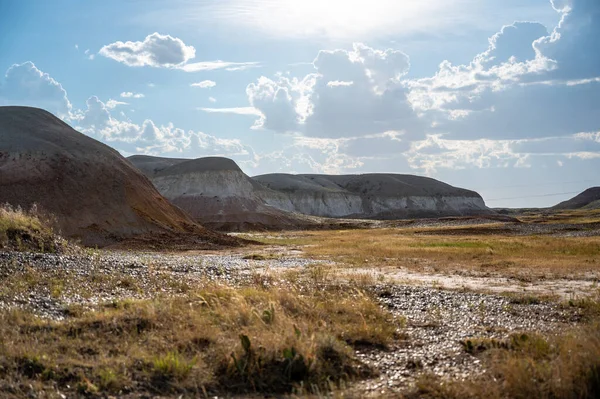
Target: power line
(537, 185)
(532, 196)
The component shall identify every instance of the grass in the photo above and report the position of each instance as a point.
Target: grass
(211, 340)
(23, 230)
(512, 256)
(582, 216)
(527, 366)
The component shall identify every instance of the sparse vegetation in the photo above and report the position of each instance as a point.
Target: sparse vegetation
(214, 339)
(521, 257)
(527, 366)
(168, 331)
(26, 230)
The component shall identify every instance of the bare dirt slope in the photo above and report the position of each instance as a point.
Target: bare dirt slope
(377, 196)
(94, 193)
(216, 193)
(588, 199)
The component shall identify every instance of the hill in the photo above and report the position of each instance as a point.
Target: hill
(93, 193)
(377, 196)
(216, 193)
(588, 199)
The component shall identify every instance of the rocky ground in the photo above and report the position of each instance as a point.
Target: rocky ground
(114, 275)
(436, 320)
(439, 321)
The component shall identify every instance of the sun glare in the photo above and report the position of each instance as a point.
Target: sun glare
(336, 18)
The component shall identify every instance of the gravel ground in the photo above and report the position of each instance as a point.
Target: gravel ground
(438, 320)
(138, 275)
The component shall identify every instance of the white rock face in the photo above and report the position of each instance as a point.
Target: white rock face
(317, 204)
(215, 190)
(368, 196)
(225, 183)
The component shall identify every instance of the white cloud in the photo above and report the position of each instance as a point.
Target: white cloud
(352, 92)
(25, 84)
(89, 55)
(213, 65)
(212, 99)
(236, 110)
(165, 51)
(523, 85)
(205, 84)
(435, 152)
(128, 94)
(149, 138)
(336, 83)
(110, 104)
(155, 50)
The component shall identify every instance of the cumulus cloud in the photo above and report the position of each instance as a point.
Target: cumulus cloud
(155, 50)
(520, 99)
(205, 84)
(513, 42)
(351, 92)
(165, 51)
(574, 43)
(521, 86)
(25, 84)
(150, 138)
(436, 152)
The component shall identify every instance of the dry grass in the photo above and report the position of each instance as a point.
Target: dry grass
(514, 256)
(528, 366)
(23, 230)
(211, 340)
(581, 216)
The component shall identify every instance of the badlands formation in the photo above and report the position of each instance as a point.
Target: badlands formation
(218, 194)
(94, 194)
(369, 196)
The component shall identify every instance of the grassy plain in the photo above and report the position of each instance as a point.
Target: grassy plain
(466, 251)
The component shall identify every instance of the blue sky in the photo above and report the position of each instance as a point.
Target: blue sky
(499, 97)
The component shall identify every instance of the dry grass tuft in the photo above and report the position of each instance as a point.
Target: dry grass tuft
(213, 340)
(23, 230)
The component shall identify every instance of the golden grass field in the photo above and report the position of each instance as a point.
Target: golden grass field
(465, 251)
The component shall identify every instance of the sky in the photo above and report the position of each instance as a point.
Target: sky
(499, 97)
